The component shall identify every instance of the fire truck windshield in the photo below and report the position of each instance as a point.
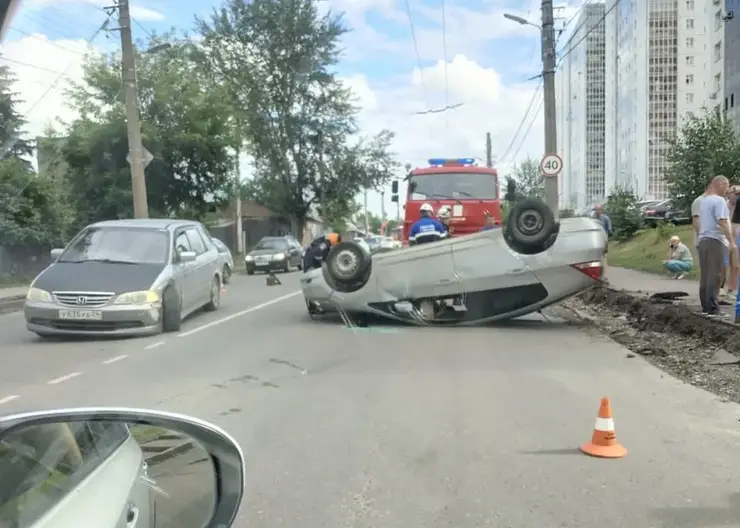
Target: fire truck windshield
(453, 186)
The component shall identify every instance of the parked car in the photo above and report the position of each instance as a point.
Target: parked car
(664, 211)
(492, 275)
(227, 260)
(274, 253)
(126, 277)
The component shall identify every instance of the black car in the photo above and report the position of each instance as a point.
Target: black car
(273, 254)
(665, 212)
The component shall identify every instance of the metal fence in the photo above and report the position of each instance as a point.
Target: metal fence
(22, 263)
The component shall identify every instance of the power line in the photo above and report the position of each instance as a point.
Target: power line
(29, 65)
(529, 128)
(145, 30)
(444, 53)
(502, 157)
(418, 56)
(587, 33)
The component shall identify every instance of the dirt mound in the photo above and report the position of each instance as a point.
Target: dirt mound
(700, 351)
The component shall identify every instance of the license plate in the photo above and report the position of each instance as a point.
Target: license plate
(89, 315)
(262, 263)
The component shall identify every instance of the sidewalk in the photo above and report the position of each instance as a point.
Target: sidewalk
(649, 283)
(13, 292)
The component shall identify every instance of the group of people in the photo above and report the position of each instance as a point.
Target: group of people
(715, 219)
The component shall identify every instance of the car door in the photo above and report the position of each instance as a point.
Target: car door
(215, 256)
(203, 269)
(183, 272)
(426, 270)
(485, 262)
(295, 252)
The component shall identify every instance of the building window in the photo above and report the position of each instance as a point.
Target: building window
(689, 60)
(717, 51)
(690, 78)
(690, 5)
(689, 42)
(717, 20)
(689, 23)
(689, 98)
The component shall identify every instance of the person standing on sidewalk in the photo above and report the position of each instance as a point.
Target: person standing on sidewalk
(715, 240)
(606, 223)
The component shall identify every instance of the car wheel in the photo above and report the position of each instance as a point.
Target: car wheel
(215, 299)
(171, 318)
(530, 227)
(347, 267)
(226, 274)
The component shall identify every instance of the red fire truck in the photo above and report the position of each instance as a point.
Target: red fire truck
(469, 190)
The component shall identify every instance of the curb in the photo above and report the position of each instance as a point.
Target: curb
(12, 303)
(170, 453)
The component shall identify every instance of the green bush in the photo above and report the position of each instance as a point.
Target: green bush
(621, 206)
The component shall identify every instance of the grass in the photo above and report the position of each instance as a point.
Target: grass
(14, 283)
(647, 250)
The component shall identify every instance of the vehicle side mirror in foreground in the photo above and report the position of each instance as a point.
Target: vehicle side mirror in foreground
(186, 256)
(117, 467)
(55, 254)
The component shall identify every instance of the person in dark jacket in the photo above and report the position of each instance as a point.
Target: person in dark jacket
(318, 250)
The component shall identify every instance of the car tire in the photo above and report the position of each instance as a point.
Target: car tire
(215, 300)
(531, 227)
(347, 267)
(226, 274)
(171, 316)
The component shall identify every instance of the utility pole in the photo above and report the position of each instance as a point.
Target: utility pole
(136, 149)
(238, 200)
(489, 151)
(548, 80)
(367, 218)
(322, 193)
(382, 205)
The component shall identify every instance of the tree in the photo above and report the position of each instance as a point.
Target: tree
(187, 125)
(706, 146)
(529, 180)
(277, 59)
(34, 209)
(621, 207)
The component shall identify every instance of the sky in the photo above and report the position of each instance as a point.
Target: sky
(469, 57)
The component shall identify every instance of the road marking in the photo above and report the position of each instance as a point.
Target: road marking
(238, 314)
(64, 378)
(114, 359)
(154, 345)
(9, 399)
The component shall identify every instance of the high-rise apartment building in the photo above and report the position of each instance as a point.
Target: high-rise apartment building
(630, 75)
(581, 99)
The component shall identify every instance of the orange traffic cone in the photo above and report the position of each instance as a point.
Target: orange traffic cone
(604, 440)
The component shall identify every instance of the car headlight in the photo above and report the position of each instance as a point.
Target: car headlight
(281, 256)
(36, 295)
(248, 258)
(138, 297)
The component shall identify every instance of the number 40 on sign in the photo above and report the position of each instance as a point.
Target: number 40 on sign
(551, 165)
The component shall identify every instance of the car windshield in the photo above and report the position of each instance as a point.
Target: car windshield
(455, 185)
(115, 244)
(277, 244)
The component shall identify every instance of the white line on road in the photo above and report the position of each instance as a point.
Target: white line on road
(238, 314)
(64, 378)
(154, 345)
(114, 359)
(9, 399)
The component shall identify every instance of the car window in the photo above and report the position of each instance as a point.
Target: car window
(41, 464)
(136, 245)
(182, 243)
(196, 242)
(277, 244)
(208, 240)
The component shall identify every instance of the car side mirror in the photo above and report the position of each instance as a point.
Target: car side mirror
(186, 256)
(55, 254)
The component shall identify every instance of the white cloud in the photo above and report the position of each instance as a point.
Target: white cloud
(38, 65)
(145, 14)
(489, 105)
(137, 11)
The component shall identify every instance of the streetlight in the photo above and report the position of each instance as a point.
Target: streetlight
(520, 20)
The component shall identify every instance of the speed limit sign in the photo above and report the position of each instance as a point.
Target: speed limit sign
(551, 165)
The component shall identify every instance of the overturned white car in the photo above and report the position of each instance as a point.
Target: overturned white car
(488, 276)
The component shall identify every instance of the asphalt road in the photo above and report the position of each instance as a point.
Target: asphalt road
(410, 427)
